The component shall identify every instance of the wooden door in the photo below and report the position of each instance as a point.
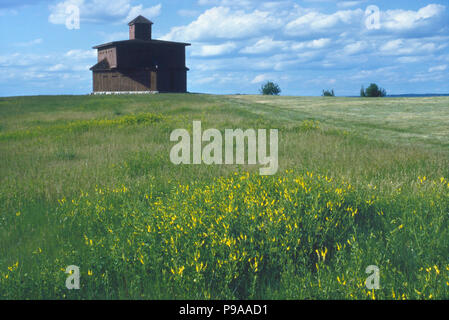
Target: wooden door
(153, 81)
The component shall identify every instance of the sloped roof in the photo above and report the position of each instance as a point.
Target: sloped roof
(140, 19)
(101, 66)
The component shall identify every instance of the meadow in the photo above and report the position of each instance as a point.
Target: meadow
(87, 181)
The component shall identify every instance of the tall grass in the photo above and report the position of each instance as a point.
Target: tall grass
(87, 181)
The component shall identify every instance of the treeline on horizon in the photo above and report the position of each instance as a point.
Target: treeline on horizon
(372, 91)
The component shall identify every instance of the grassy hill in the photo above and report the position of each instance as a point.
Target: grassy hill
(87, 181)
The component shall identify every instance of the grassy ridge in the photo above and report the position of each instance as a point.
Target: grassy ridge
(88, 181)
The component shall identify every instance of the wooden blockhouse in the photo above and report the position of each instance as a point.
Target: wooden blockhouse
(140, 64)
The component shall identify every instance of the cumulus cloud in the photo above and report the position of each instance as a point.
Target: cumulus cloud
(348, 4)
(260, 78)
(29, 43)
(410, 59)
(409, 47)
(320, 23)
(57, 67)
(264, 45)
(313, 44)
(224, 23)
(214, 50)
(227, 3)
(355, 47)
(29, 66)
(240, 44)
(78, 54)
(98, 11)
(269, 39)
(438, 68)
(405, 20)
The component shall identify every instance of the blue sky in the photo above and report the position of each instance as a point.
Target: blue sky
(305, 46)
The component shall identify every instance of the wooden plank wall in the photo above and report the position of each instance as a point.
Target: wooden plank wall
(116, 81)
(110, 54)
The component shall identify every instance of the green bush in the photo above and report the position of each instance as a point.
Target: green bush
(373, 91)
(270, 89)
(328, 93)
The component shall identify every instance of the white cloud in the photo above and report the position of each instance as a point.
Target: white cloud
(140, 10)
(114, 36)
(224, 23)
(264, 45)
(438, 68)
(409, 47)
(379, 73)
(243, 43)
(214, 50)
(78, 54)
(227, 3)
(97, 11)
(409, 59)
(427, 77)
(261, 78)
(348, 4)
(323, 81)
(313, 44)
(31, 66)
(315, 22)
(355, 48)
(400, 20)
(57, 67)
(29, 43)
(23, 59)
(8, 12)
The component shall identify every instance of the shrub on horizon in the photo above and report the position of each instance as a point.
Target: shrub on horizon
(270, 89)
(328, 93)
(373, 91)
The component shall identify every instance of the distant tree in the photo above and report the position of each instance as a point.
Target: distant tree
(270, 88)
(362, 92)
(328, 93)
(373, 91)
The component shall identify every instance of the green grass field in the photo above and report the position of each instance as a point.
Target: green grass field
(87, 181)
